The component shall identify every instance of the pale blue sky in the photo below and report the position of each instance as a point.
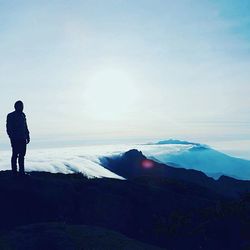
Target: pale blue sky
(110, 69)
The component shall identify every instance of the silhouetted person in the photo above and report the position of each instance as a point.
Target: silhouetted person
(18, 132)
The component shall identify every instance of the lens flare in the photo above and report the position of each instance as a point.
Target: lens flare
(147, 164)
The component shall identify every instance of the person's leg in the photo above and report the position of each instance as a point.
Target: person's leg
(22, 152)
(14, 157)
(21, 164)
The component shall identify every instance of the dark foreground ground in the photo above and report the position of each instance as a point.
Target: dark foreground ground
(58, 236)
(57, 211)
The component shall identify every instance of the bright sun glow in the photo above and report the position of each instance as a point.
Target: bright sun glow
(110, 94)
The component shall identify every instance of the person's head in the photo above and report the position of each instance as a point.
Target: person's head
(19, 106)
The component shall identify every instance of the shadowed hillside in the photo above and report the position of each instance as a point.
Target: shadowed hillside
(169, 211)
(133, 164)
(58, 236)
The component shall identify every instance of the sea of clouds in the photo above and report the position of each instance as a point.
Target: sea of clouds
(86, 159)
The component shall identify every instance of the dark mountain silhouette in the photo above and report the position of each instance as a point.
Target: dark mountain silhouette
(157, 205)
(132, 164)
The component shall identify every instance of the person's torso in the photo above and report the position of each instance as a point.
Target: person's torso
(18, 125)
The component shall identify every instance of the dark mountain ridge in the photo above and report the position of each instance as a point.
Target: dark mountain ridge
(132, 164)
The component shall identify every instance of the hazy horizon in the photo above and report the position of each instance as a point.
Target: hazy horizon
(99, 71)
(239, 149)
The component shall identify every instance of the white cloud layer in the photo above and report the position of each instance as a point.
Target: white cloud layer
(85, 159)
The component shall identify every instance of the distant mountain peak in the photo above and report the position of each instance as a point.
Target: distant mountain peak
(178, 142)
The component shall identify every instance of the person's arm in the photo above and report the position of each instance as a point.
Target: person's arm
(9, 126)
(27, 132)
